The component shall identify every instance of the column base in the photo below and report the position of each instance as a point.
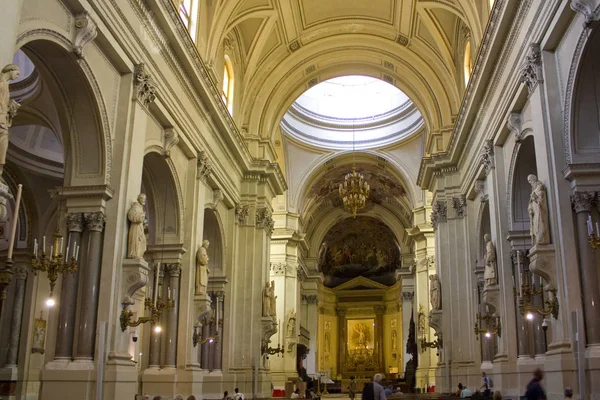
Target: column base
(160, 382)
(120, 380)
(77, 377)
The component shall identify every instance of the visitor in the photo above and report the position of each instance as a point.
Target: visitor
(191, 397)
(466, 393)
(352, 388)
(459, 390)
(398, 390)
(534, 387)
(178, 397)
(226, 396)
(238, 395)
(378, 391)
(568, 393)
(486, 387)
(388, 391)
(296, 394)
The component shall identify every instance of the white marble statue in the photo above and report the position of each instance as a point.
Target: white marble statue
(490, 275)
(435, 292)
(136, 244)
(202, 268)
(539, 226)
(273, 299)
(266, 311)
(8, 108)
(291, 324)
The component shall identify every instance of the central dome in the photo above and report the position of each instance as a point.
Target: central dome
(352, 112)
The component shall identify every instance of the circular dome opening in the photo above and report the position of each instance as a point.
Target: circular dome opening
(352, 111)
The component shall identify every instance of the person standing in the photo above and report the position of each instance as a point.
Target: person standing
(378, 390)
(238, 395)
(352, 388)
(486, 387)
(568, 393)
(534, 389)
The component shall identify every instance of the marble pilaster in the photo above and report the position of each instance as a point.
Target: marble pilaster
(341, 313)
(217, 345)
(20, 277)
(94, 223)
(68, 295)
(156, 337)
(174, 271)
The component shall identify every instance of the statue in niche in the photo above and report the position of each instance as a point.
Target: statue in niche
(273, 300)
(291, 324)
(327, 343)
(394, 340)
(202, 268)
(435, 292)
(539, 226)
(8, 108)
(266, 311)
(137, 238)
(490, 273)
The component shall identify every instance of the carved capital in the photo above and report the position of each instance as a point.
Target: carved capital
(143, 85)
(279, 268)
(171, 138)
(241, 214)
(85, 32)
(487, 156)
(264, 220)
(583, 201)
(75, 222)
(515, 124)
(585, 8)
(204, 166)
(460, 206)
(94, 221)
(341, 311)
(310, 298)
(173, 269)
(439, 213)
(20, 272)
(379, 310)
(408, 296)
(531, 70)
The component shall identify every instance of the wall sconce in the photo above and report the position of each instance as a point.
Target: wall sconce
(436, 344)
(594, 239)
(527, 292)
(492, 323)
(197, 337)
(155, 313)
(56, 262)
(265, 349)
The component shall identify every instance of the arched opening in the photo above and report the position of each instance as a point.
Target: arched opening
(468, 63)
(228, 84)
(188, 12)
(212, 233)
(525, 165)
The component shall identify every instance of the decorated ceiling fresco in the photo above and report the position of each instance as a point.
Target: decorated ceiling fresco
(359, 247)
(384, 187)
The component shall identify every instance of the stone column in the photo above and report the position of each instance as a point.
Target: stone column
(154, 361)
(174, 271)
(539, 336)
(20, 276)
(94, 223)
(68, 294)
(206, 347)
(341, 313)
(379, 311)
(522, 323)
(582, 204)
(217, 346)
(407, 306)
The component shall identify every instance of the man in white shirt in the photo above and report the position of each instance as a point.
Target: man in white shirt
(378, 390)
(238, 395)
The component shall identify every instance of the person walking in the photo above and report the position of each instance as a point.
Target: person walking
(568, 393)
(534, 389)
(352, 388)
(487, 385)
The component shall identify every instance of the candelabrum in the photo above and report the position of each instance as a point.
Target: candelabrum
(526, 294)
(492, 325)
(266, 349)
(436, 344)
(155, 313)
(197, 337)
(55, 262)
(593, 238)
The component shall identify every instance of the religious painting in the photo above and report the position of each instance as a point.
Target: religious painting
(39, 334)
(361, 246)
(361, 333)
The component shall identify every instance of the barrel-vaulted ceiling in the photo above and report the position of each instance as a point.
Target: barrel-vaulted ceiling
(280, 48)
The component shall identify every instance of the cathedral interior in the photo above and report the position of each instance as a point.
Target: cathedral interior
(202, 195)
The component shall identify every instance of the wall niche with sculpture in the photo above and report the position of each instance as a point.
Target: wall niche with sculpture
(361, 246)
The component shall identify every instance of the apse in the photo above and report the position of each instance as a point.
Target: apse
(361, 246)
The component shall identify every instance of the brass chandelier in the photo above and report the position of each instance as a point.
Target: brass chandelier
(354, 192)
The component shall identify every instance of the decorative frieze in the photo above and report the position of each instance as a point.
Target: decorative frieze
(583, 201)
(85, 32)
(439, 213)
(241, 214)
(143, 85)
(487, 156)
(283, 269)
(460, 206)
(204, 166)
(264, 220)
(531, 70)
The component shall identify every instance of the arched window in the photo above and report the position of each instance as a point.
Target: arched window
(227, 93)
(188, 11)
(468, 63)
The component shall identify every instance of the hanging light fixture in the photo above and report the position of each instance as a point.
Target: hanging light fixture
(354, 192)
